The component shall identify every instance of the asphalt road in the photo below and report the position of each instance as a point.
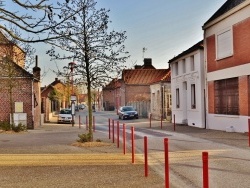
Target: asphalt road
(229, 166)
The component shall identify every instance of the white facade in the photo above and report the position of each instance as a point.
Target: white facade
(160, 100)
(188, 89)
(237, 123)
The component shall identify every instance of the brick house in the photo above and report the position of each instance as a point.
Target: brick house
(111, 95)
(23, 86)
(133, 86)
(187, 86)
(161, 104)
(54, 97)
(227, 60)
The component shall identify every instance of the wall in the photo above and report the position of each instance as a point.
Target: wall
(237, 65)
(185, 114)
(21, 93)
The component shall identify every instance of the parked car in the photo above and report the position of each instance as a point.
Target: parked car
(127, 112)
(81, 106)
(65, 116)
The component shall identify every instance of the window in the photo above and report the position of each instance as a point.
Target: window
(224, 44)
(192, 63)
(193, 100)
(176, 68)
(184, 65)
(177, 98)
(153, 100)
(227, 96)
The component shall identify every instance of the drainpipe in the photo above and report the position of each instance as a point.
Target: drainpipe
(32, 98)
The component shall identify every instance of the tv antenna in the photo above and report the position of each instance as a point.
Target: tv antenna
(143, 51)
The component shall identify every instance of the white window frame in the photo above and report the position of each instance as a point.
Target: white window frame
(226, 49)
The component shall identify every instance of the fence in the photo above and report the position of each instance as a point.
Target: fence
(142, 107)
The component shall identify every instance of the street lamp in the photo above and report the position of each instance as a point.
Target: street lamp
(71, 66)
(73, 97)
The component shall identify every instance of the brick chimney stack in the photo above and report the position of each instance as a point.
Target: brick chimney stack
(37, 70)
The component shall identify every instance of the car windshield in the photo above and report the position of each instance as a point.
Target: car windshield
(65, 112)
(128, 108)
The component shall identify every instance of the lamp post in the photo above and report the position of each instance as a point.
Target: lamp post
(71, 66)
(73, 97)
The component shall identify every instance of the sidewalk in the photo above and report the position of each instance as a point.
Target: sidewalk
(240, 140)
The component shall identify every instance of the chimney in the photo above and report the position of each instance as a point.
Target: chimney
(37, 70)
(138, 66)
(147, 62)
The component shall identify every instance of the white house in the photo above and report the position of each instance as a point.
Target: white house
(160, 90)
(187, 86)
(227, 60)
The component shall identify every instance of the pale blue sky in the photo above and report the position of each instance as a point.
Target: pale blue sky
(164, 27)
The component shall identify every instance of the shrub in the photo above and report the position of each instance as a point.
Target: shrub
(84, 138)
(20, 127)
(4, 125)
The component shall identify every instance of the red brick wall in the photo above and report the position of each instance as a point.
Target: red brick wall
(37, 106)
(21, 93)
(244, 95)
(108, 97)
(134, 91)
(211, 97)
(241, 46)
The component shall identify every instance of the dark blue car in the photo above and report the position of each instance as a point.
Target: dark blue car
(127, 112)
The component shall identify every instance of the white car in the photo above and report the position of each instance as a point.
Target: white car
(64, 116)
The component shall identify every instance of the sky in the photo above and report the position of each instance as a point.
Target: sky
(164, 27)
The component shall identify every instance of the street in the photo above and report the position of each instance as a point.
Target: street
(229, 166)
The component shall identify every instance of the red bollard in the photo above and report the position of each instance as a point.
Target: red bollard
(133, 144)
(124, 139)
(174, 122)
(118, 134)
(113, 130)
(146, 155)
(79, 121)
(161, 121)
(109, 128)
(249, 131)
(94, 123)
(166, 163)
(205, 169)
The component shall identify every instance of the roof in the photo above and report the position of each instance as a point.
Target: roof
(195, 47)
(115, 83)
(20, 72)
(55, 82)
(227, 6)
(143, 76)
(164, 78)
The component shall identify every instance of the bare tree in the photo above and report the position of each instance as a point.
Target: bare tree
(98, 52)
(34, 19)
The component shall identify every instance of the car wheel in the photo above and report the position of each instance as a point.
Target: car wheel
(123, 117)
(119, 117)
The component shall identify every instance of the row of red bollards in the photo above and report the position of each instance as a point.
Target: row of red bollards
(150, 120)
(166, 153)
(87, 123)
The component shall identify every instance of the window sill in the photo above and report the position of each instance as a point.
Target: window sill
(225, 115)
(221, 58)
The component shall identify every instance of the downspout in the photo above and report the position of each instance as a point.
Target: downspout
(32, 98)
